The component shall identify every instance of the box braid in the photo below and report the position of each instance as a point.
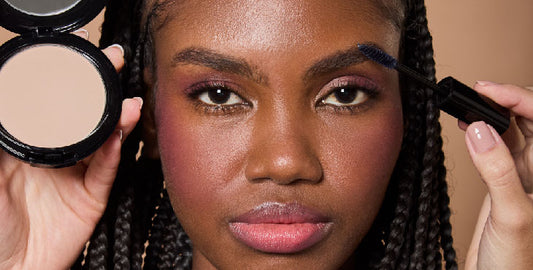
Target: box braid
(413, 227)
(420, 229)
(411, 231)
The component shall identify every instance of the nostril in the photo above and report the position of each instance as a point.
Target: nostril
(284, 169)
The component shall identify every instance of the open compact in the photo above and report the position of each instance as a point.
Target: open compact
(60, 96)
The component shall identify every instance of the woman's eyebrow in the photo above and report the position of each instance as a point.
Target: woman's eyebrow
(226, 63)
(217, 61)
(335, 62)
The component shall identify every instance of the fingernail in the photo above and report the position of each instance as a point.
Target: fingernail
(481, 136)
(462, 125)
(118, 46)
(140, 101)
(82, 33)
(485, 83)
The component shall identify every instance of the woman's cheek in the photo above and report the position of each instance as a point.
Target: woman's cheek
(362, 159)
(199, 165)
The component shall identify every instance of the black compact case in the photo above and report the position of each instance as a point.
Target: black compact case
(51, 25)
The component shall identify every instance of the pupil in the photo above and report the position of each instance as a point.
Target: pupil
(219, 96)
(345, 95)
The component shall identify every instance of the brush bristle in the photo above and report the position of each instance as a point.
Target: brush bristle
(378, 56)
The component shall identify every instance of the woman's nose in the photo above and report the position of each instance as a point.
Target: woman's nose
(283, 151)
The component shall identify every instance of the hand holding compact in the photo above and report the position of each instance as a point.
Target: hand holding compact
(47, 215)
(504, 232)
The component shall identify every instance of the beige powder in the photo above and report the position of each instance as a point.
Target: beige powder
(50, 96)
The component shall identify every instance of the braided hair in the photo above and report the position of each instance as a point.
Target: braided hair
(139, 229)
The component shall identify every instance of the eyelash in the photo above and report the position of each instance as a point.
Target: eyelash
(197, 90)
(361, 85)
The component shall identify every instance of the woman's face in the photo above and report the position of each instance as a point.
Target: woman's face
(277, 138)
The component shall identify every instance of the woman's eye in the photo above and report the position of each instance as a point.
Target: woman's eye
(220, 96)
(346, 96)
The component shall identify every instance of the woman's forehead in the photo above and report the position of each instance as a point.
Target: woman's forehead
(159, 12)
(270, 25)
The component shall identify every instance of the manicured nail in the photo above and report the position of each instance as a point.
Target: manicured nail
(485, 83)
(481, 136)
(118, 46)
(81, 33)
(140, 101)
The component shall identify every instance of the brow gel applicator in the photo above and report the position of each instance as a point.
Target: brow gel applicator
(453, 97)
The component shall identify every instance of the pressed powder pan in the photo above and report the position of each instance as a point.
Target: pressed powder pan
(42, 121)
(60, 96)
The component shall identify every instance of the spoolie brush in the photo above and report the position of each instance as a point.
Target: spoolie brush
(453, 97)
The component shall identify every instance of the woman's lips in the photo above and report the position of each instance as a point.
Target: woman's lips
(280, 228)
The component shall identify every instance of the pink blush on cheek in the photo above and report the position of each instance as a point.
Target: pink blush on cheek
(361, 157)
(179, 160)
(199, 164)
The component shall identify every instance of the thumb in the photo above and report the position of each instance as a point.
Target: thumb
(103, 165)
(496, 166)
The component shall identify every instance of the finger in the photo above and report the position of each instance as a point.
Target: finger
(519, 100)
(513, 138)
(82, 33)
(521, 148)
(102, 167)
(524, 161)
(497, 169)
(131, 112)
(526, 127)
(115, 53)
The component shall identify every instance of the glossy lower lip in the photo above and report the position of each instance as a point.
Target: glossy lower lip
(280, 228)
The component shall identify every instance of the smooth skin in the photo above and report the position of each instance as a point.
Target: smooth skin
(46, 216)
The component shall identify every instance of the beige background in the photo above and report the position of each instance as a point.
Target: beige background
(474, 40)
(477, 40)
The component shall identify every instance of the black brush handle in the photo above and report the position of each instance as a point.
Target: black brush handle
(468, 106)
